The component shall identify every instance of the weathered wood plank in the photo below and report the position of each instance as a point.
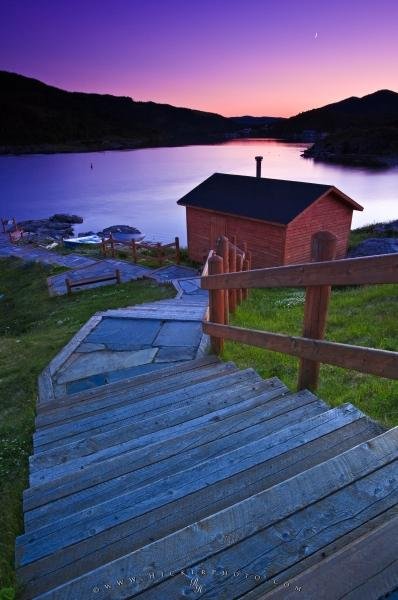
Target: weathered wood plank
(351, 271)
(45, 387)
(268, 405)
(135, 407)
(269, 551)
(320, 555)
(130, 394)
(118, 485)
(228, 527)
(366, 360)
(107, 546)
(55, 463)
(363, 570)
(74, 528)
(136, 381)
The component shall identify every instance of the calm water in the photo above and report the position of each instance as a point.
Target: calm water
(141, 187)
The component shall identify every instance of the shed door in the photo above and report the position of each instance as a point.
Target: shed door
(218, 227)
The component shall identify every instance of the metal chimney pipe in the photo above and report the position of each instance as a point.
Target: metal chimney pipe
(258, 166)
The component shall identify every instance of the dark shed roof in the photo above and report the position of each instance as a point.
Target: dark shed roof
(275, 200)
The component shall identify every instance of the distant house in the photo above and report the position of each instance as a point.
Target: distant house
(276, 218)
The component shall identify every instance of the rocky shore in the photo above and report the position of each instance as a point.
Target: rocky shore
(54, 228)
(381, 238)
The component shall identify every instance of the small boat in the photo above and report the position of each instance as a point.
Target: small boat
(87, 240)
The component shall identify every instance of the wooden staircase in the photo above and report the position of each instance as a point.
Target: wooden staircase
(203, 480)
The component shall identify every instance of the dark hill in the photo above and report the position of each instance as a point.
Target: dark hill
(355, 131)
(38, 117)
(379, 108)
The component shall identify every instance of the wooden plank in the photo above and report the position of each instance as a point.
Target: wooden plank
(366, 569)
(242, 520)
(321, 554)
(350, 271)
(136, 533)
(45, 387)
(136, 381)
(117, 484)
(137, 410)
(59, 461)
(73, 528)
(268, 406)
(129, 396)
(366, 360)
(284, 544)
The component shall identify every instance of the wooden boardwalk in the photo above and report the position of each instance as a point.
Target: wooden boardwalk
(203, 480)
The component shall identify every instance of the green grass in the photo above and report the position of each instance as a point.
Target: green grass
(365, 316)
(33, 328)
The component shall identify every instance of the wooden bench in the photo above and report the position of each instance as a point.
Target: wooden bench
(89, 280)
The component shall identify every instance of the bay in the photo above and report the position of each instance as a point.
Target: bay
(141, 187)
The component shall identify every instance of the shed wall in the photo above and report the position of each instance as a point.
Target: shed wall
(327, 213)
(265, 240)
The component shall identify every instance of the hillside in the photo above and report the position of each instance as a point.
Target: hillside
(36, 117)
(359, 131)
(379, 108)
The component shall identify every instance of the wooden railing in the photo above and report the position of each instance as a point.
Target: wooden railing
(317, 277)
(156, 250)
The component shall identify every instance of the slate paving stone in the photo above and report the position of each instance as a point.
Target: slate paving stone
(90, 382)
(179, 333)
(175, 354)
(87, 383)
(125, 334)
(104, 361)
(171, 272)
(88, 347)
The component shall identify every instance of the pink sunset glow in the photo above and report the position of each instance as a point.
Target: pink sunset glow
(253, 57)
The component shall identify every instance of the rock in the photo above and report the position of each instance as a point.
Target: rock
(120, 229)
(373, 246)
(44, 230)
(65, 218)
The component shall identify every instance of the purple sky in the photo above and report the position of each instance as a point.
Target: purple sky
(260, 57)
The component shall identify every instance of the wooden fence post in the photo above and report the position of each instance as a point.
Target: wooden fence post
(245, 291)
(323, 247)
(118, 277)
(232, 269)
(222, 250)
(134, 250)
(159, 253)
(177, 242)
(68, 286)
(216, 302)
(239, 267)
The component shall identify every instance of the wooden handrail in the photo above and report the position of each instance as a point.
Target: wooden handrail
(348, 271)
(317, 277)
(383, 363)
(205, 269)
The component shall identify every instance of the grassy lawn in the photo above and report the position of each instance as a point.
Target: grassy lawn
(365, 316)
(33, 328)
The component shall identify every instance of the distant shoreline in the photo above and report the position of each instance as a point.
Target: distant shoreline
(82, 147)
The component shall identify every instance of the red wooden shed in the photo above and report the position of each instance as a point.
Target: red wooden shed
(275, 217)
